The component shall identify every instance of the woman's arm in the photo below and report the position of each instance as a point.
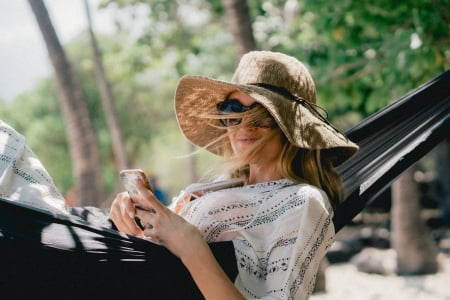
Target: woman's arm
(208, 274)
(166, 228)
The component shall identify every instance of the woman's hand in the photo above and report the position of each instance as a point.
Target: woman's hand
(160, 224)
(123, 212)
(183, 239)
(164, 227)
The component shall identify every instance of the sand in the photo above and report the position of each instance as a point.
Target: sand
(345, 282)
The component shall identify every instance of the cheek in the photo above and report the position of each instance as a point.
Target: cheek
(233, 143)
(275, 146)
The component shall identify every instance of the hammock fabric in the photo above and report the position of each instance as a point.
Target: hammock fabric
(55, 256)
(62, 257)
(391, 141)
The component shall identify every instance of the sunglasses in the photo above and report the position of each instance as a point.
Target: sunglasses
(231, 106)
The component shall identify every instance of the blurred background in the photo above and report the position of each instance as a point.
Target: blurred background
(90, 84)
(363, 55)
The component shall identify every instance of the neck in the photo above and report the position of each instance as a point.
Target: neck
(260, 174)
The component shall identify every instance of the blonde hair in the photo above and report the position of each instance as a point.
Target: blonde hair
(304, 165)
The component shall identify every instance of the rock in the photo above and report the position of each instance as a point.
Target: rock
(377, 261)
(342, 251)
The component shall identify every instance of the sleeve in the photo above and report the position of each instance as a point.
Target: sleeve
(296, 242)
(23, 178)
(313, 236)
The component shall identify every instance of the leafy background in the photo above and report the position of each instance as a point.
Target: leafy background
(362, 54)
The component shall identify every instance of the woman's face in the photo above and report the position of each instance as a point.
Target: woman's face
(245, 136)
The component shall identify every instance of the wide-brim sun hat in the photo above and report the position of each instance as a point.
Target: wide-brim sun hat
(280, 83)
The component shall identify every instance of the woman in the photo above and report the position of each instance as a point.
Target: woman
(279, 154)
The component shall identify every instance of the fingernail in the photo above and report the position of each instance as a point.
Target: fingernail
(138, 222)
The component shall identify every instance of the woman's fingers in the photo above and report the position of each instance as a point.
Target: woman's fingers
(147, 218)
(151, 225)
(145, 199)
(143, 215)
(123, 214)
(123, 209)
(162, 226)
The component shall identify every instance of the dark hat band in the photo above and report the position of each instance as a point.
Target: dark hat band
(312, 107)
(279, 90)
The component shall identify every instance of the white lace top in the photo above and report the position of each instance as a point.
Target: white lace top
(23, 178)
(280, 231)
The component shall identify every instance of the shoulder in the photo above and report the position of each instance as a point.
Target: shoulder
(311, 191)
(311, 195)
(303, 189)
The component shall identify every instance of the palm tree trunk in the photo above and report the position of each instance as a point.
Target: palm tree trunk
(416, 252)
(240, 25)
(120, 155)
(442, 163)
(81, 138)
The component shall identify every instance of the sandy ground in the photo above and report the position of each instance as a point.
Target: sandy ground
(344, 281)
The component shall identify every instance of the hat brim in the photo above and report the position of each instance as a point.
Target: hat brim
(197, 96)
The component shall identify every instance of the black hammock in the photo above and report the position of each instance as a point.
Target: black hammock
(50, 256)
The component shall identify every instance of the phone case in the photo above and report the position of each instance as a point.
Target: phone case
(129, 177)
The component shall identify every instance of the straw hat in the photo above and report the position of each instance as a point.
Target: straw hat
(282, 84)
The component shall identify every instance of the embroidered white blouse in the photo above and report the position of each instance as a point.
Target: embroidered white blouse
(280, 231)
(23, 178)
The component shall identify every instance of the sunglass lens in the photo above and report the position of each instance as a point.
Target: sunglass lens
(237, 107)
(234, 106)
(228, 107)
(231, 106)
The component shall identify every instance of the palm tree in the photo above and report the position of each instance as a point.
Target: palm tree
(120, 155)
(80, 134)
(416, 252)
(240, 25)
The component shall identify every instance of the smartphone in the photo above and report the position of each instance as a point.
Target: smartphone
(129, 178)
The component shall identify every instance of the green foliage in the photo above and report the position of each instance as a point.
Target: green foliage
(362, 54)
(373, 53)
(36, 115)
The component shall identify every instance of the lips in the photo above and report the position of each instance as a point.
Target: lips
(247, 139)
